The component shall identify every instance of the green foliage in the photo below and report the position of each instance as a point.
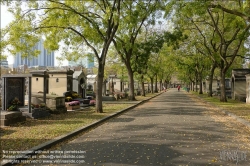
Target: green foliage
(215, 33)
(135, 15)
(76, 25)
(70, 22)
(144, 49)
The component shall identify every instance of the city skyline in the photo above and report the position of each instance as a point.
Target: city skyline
(45, 58)
(5, 18)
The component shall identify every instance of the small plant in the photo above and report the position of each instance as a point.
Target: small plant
(75, 95)
(41, 105)
(68, 99)
(14, 104)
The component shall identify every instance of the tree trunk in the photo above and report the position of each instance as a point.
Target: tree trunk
(196, 86)
(152, 83)
(100, 76)
(166, 84)
(161, 85)
(200, 80)
(223, 97)
(142, 86)
(200, 90)
(131, 95)
(211, 77)
(156, 90)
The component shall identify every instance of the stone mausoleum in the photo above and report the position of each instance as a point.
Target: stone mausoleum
(79, 83)
(57, 81)
(239, 84)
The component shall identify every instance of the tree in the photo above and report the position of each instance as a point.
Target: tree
(149, 44)
(223, 33)
(242, 10)
(135, 15)
(74, 23)
(167, 63)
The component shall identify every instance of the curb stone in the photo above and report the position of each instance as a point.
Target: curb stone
(240, 120)
(48, 144)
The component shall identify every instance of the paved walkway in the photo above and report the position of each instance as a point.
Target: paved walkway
(170, 129)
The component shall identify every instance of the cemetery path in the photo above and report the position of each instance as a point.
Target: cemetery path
(170, 129)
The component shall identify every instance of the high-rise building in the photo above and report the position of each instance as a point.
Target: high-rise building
(45, 58)
(87, 62)
(4, 63)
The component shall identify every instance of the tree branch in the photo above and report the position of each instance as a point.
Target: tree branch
(234, 12)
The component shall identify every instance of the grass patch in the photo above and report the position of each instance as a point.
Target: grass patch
(149, 95)
(236, 107)
(25, 135)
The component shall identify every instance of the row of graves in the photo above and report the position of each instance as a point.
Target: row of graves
(48, 92)
(237, 87)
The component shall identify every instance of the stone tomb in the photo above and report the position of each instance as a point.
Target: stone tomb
(79, 83)
(248, 88)
(215, 86)
(41, 82)
(57, 81)
(239, 84)
(55, 103)
(13, 87)
(37, 112)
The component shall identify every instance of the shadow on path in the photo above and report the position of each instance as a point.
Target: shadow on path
(170, 129)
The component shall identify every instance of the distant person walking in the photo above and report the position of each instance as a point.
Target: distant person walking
(178, 87)
(164, 88)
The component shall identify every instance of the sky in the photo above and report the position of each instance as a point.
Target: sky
(5, 18)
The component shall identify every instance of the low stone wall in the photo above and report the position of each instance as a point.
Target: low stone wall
(108, 98)
(11, 117)
(55, 103)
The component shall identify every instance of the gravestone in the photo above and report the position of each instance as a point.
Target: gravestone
(13, 87)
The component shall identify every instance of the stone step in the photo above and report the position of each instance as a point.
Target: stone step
(11, 117)
(10, 114)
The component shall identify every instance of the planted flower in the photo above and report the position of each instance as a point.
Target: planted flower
(75, 95)
(72, 103)
(41, 105)
(16, 101)
(68, 99)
